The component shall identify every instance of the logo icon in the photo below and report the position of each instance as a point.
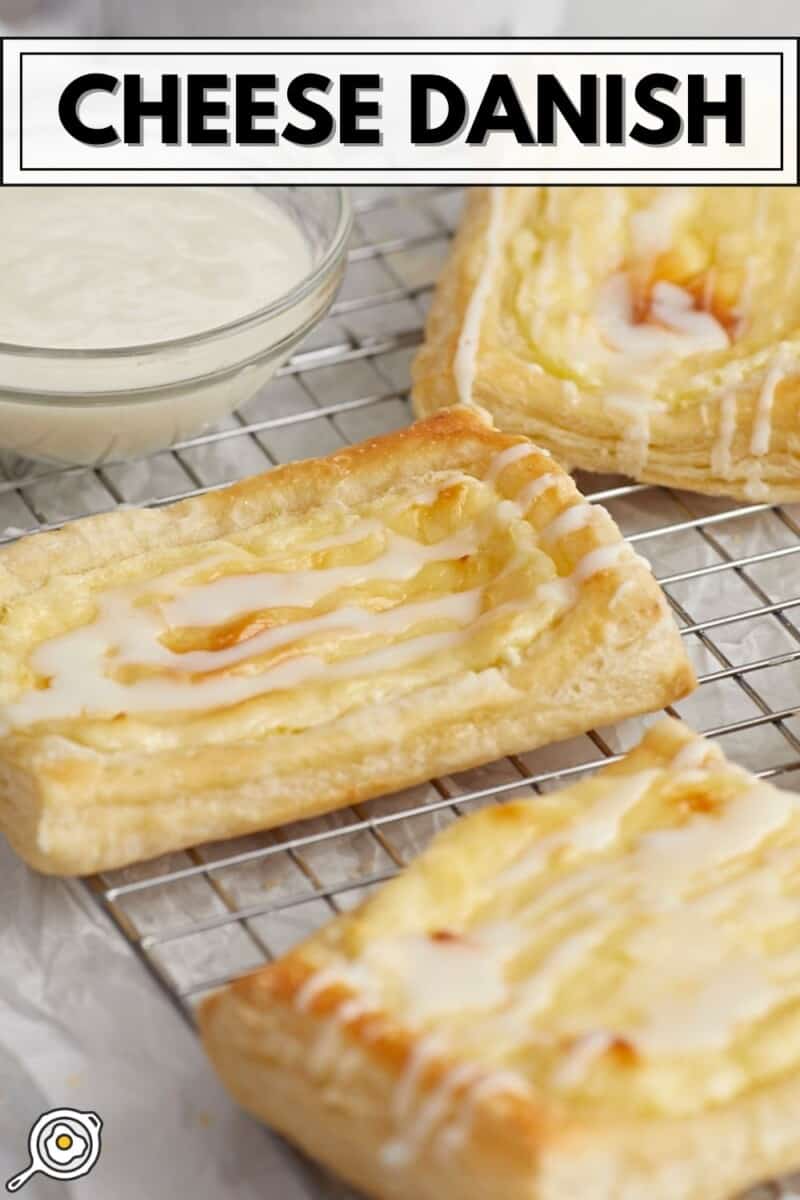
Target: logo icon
(63, 1144)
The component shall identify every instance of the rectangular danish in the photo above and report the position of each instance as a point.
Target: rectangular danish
(310, 638)
(590, 995)
(652, 331)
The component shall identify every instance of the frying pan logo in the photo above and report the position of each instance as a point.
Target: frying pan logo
(63, 1144)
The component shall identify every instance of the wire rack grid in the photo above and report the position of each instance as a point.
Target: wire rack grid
(731, 574)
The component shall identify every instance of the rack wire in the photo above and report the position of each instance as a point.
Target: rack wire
(731, 574)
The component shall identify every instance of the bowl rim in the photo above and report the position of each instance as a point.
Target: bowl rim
(334, 250)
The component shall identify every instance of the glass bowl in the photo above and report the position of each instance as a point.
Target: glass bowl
(89, 406)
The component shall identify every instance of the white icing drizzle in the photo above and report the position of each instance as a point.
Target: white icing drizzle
(76, 663)
(466, 355)
(466, 1085)
(738, 989)
(760, 199)
(683, 886)
(121, 660)
(506, 457)
(439, 976)
(85, 666)
(564, 591)
(668, 860)
(330, 1057)
(576, 267)
(405, 1147)
(325, 1056)
(423, 1053)
(762, 423)
(463, 607)
(593, 833)
(634, 445)
(600, 559)
(354, 1008)
(744, 304)
(695, 1004)
(674, 307)
(755, 488)
(538, 322)
(530, 491)
(226, 599)
(721, 457)
(318, 983)
(578, 516)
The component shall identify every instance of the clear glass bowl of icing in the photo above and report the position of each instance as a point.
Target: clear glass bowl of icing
(133, 318)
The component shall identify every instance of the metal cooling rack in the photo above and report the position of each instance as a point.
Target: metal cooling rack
(731, 573)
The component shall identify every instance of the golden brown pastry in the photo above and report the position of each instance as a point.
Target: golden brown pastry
(652, 331)
(310, 638)
(590, 995)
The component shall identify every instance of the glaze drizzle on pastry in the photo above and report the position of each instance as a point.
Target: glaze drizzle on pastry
(469, 340)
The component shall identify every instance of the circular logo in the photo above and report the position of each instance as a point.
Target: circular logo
(63, 1144)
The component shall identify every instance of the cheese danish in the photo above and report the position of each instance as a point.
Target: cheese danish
(593, 994)
(311, 638)
(650, 331)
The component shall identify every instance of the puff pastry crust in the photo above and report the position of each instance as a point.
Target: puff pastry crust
(652, 331)
(310, 638)
(590, 995)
